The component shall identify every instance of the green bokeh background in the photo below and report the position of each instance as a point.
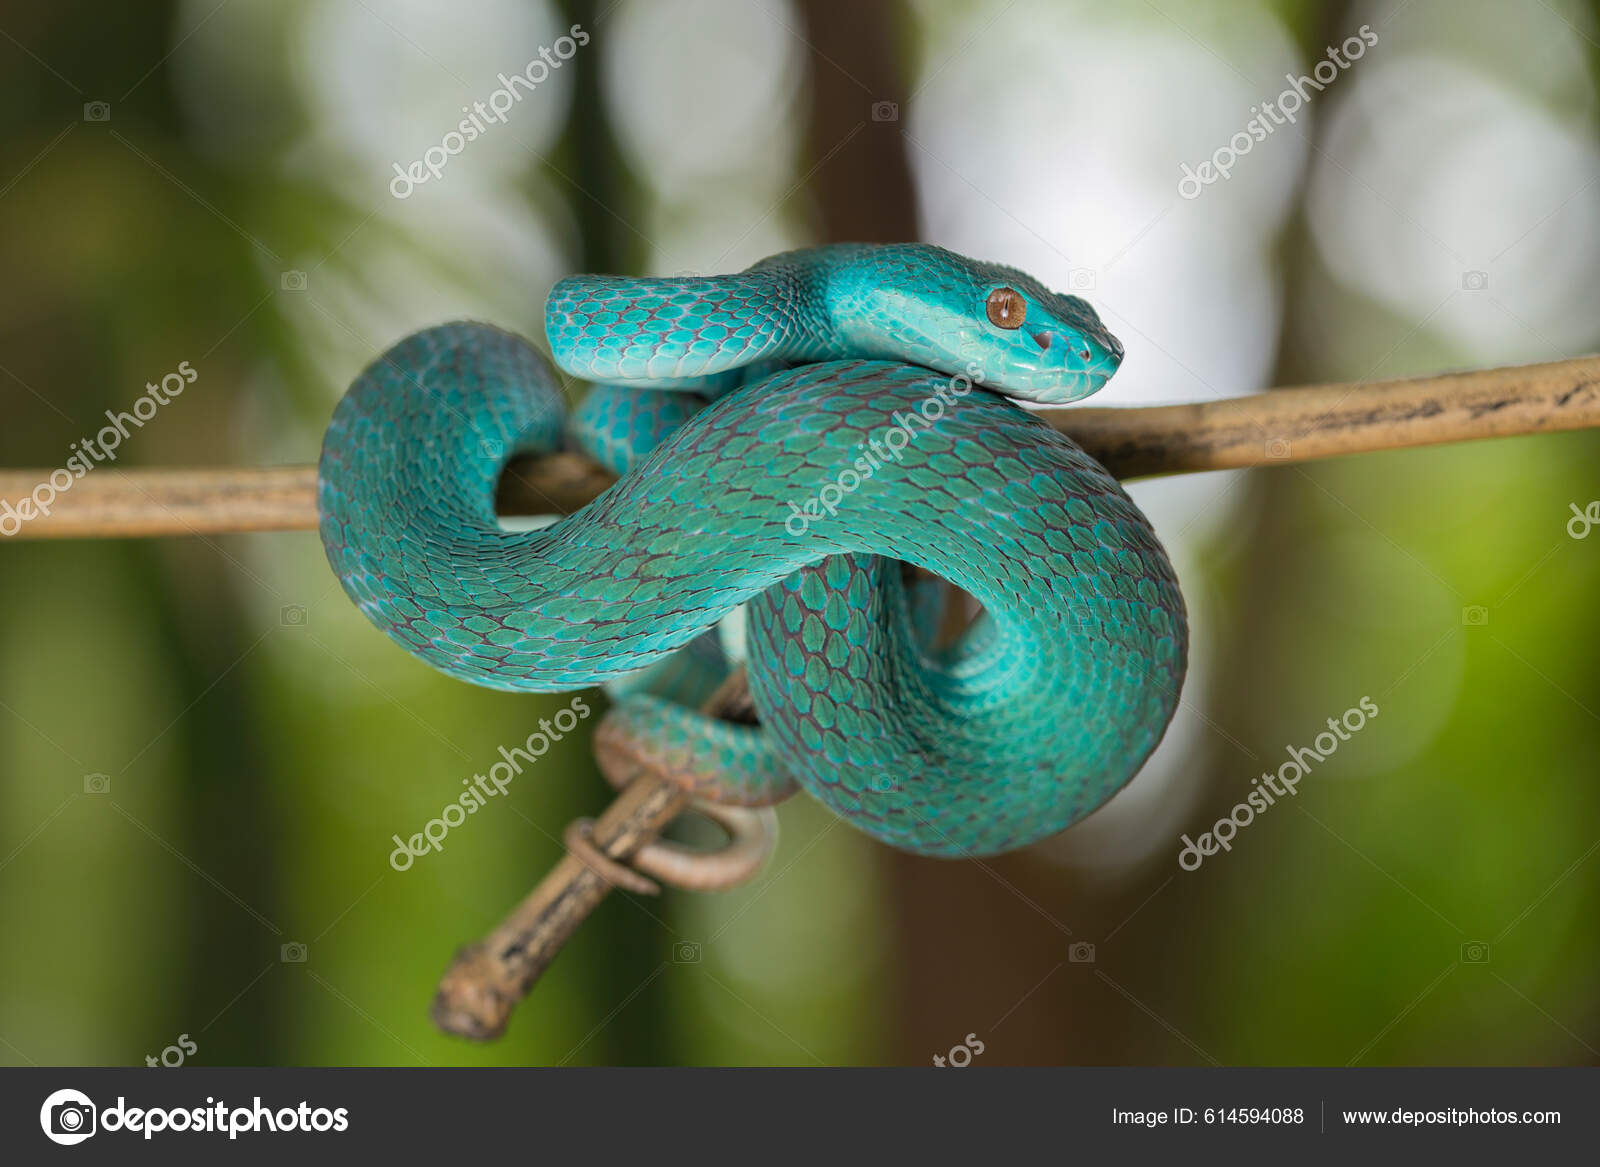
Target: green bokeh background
(262, 743)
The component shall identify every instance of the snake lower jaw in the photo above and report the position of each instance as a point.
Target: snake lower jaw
(1056, 375)
(1056, 388)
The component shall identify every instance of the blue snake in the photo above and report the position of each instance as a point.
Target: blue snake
(788, 438)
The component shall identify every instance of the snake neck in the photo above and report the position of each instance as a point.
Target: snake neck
(674, 332)
(910, 302)
(852, 301)
(898, 301)
(838, 302)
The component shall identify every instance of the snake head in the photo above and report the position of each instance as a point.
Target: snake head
(952, 314)
(1040, 345)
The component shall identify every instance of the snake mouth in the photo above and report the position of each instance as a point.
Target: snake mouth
(1088, 359)
(1110, 361)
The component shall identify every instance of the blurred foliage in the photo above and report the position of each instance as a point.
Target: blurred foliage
(262, 744)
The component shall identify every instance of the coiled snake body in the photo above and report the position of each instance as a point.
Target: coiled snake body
(799, 493)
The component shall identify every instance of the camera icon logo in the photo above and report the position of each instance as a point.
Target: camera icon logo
(68, 1117)
(885, 111)
(97, 783)
(97, 111)
(292, 616)
(293, 281)
(1081, 953)
(1474, 281)
(1279, 449)
(1081, 279)
(882, 783)
(1474, 616)
(686, 952)
(292, 953)
(494, 448)
(1474, 952)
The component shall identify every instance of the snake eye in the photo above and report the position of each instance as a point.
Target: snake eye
(1006, 308)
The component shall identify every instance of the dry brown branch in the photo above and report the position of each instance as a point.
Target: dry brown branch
(1293, 425)
(487, 979)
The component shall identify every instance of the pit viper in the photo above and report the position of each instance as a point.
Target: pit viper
(788, 438)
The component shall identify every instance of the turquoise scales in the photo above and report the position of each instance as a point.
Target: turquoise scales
(1046, 708)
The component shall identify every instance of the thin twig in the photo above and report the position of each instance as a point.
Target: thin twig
(1293, 425)
(1327, 421)
(486, 980)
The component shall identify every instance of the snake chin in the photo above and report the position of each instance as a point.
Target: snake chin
(1064, 367)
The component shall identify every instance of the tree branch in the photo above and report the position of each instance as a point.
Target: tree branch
(1292, 425)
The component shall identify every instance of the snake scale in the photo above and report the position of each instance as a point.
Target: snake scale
(788, 437)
